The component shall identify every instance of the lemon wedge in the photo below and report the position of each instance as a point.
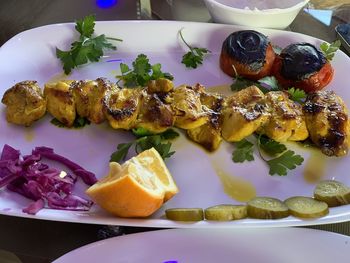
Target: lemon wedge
(137, 188)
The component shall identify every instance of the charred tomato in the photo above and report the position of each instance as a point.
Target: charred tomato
(249, 52)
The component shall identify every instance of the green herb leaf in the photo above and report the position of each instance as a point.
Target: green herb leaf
(86, 26)
(243, 152)
(57, 123)
(330, 49)
(297, 95)
(121, 153)
(141, 132)
(87, 48)
(287, 161)
(164, 150)
(154, 141)
(146, 140)
(141, 73)
(270, 146)
(169, 134)
(277, 49)
(241, 83)
(271, 83)
(194, 57)
(79, 122)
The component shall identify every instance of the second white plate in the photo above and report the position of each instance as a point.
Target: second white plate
(287, 245)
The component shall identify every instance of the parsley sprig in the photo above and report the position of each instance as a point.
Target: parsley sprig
(141, 73)
(297, 95)
(243, 152)
(194, 57)
(146, 140)
(330, 49)
(267, 84)
(79, 122)
(281, 159)
(87, 48)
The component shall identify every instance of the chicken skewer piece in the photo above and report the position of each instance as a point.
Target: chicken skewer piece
(327, 122)
(24, 103)
(209, 134)
(205, 116)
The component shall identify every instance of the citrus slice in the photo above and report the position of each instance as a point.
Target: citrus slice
(151, 160)
(137, 188)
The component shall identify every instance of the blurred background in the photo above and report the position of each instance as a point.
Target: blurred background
(19, 15)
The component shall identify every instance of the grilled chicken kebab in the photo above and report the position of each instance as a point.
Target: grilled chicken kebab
(208, 118)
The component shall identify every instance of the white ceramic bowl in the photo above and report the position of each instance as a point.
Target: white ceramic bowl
(233, 12)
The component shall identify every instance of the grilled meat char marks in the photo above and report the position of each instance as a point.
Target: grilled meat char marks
(190, 113)
(209, 134)
(155, 115)
(327, 122)
(25, 103)
(243, 113)
(286, 121)
(122, 106)
(89, 95)
(60, 101)
(207, 118)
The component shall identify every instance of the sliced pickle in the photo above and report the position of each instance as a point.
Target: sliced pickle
(267, 208)
(332, 192)
(306, 207)
(225, 212)
(184, 214)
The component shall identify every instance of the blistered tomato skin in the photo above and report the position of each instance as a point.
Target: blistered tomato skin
(249, 52)
(302, 66)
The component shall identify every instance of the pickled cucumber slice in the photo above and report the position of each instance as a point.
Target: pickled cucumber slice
(225, 212)
(185, 214)
(334, 193)
(306, 207)
(267, 208)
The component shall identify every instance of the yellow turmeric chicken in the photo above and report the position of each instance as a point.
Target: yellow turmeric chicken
(25, 103)
(121, 107)
(88, 96)
(188, 108)
(207, 118)
(286, 120)
(327, 121)
(243, 113)
(209, 134)
(60, 101)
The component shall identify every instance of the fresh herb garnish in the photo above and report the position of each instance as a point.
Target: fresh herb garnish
(330, 49)
(240, 83)
(243, 152)
(194, 57)
(141, 73)
(268, 83)
(284, 162)
(281, 160)
(121, 152)
(87, 48)
(146, 140)
(297, 95)
(277, 49)
(270, 146)
(79, 122)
